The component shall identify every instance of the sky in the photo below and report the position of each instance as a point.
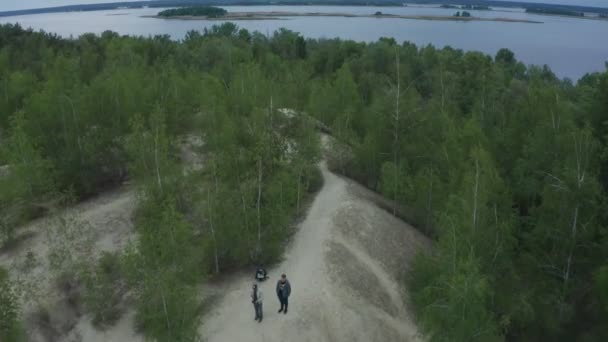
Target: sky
(7, 5)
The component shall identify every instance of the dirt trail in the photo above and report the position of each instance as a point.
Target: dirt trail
(345, 267)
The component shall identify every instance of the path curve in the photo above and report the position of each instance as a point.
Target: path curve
(342, 289)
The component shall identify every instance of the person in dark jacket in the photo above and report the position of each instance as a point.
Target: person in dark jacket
(256, 298)
(283, 292)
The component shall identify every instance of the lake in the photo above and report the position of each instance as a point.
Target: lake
(570, 46)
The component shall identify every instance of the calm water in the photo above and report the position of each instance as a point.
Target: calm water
(570, 46)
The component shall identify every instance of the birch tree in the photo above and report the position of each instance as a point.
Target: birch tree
(567, 220)
(26, 180)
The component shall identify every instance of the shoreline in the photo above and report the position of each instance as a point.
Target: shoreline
(276, 15)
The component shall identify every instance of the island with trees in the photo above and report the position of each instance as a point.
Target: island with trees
(210, 13)
(464, 14)
(194, 11)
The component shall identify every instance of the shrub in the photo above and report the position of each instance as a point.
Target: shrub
(103, 289)
(10, 325)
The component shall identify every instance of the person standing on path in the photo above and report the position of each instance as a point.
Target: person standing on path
(283, 292)
(256, 298)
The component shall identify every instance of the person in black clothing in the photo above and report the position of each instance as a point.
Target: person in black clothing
(260, 274)
(283, 292)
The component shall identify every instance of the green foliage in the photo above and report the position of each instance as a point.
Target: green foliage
(288, 44)
(10, 311)
(163, 272)
(505, 165)
(502, 162)
(505, 56)
(453, 289)
(70, 242)
(166, 264)
(103, 289)
(198, 11)
(28, 177)
(265, 171)
(601, 287)
(148, 148)
(454, 303)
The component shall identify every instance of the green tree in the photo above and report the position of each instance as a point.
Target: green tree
(566, 224)
(29, 177)
(163, 272)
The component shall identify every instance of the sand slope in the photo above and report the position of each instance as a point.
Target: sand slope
(107, 222)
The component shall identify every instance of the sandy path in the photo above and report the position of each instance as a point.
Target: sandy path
(339, 291)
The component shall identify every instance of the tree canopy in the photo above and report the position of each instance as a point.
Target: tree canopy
(505, 166)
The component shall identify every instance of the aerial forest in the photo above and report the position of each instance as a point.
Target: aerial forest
(503, 165)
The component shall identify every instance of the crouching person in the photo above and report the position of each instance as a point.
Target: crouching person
(256, 299)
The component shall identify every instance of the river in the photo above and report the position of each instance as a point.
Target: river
(572, 47)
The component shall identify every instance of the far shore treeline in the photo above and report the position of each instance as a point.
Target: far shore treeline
(504, 165)
(468, 4)
(554, 11)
